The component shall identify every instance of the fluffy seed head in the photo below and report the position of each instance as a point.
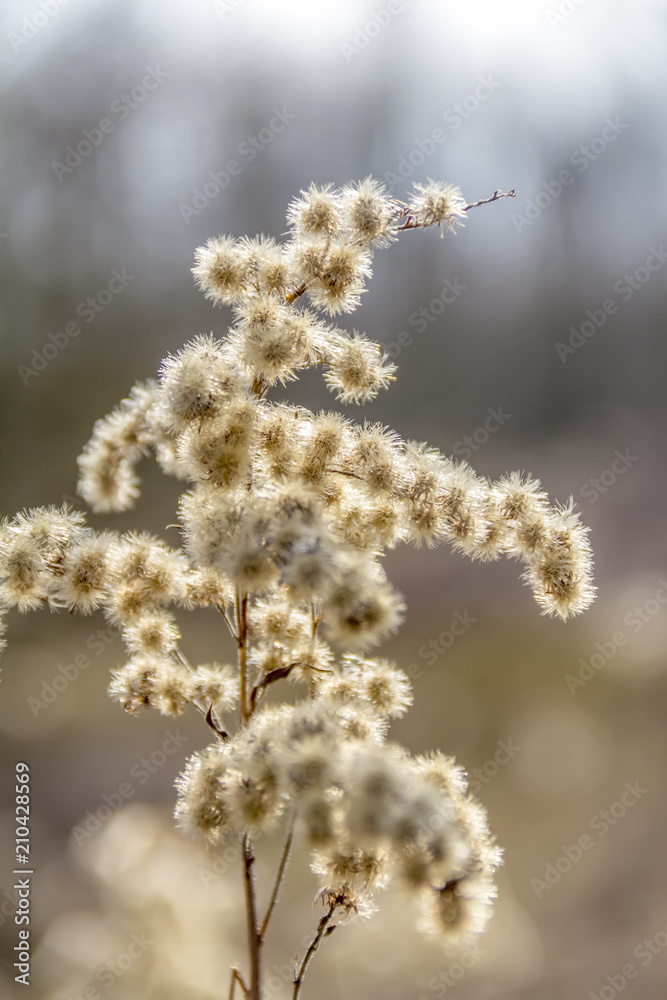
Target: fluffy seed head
(221, 269)
(435, 202)
(317, 211)
(369, 212)
(216, 685)
(197, 382)
(357, 368)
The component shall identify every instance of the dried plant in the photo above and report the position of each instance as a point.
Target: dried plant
(284, 521)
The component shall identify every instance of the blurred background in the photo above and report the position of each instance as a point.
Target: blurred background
(534, 340)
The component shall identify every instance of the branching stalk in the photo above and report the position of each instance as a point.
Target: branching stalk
(412, 223)
(242, 641)
(496, 196)
(230, 625)
(279, 879)
(237, 978)
(322, 929)
(254, 941)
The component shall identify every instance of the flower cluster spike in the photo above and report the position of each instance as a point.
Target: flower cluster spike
(285, 517)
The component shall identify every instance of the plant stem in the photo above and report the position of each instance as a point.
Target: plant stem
(237, 978)
(254, 991)
(242, 640)
(322, 929)
(496, 196)
(279, 878)
(412, 223)
(254, 940)
(295, 294)
(315, 619)
(232, 631)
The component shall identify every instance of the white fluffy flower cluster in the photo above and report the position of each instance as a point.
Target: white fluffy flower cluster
(370, 813)
(285, 518)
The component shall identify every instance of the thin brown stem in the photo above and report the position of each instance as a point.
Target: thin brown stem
(315, 620)
(260, 687)
(412, 224)
(254, 940)
(242, 642)
(279, 674)
(346, 472)
(284, 858)
(297, 293)
(183, 659)
(237, 978)
(228, 621)
(206, 712)
(496, 196)
(213, 723)
(322, 929)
